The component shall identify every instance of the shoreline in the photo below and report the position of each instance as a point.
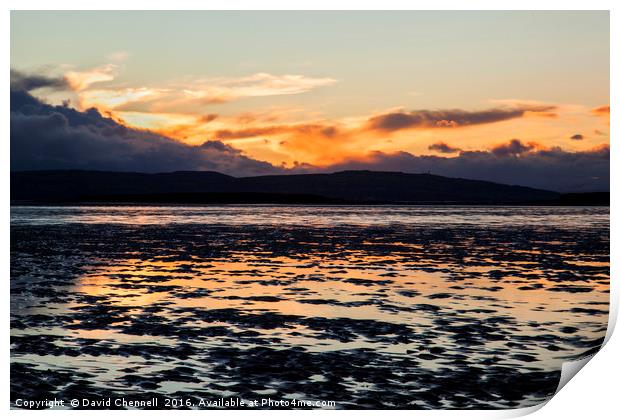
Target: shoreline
(222, 204)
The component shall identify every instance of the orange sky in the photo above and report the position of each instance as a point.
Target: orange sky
(338, 86)
(287, 136)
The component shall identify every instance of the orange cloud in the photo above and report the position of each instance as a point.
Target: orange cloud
(601, 110)
(259, 84)
(541, 114)
(186, 97)
(319, 142)
(315, 129)
(207, 118)
(80, 80)
(107, 99)
(603, 147)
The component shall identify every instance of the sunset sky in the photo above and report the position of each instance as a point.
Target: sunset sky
(326, 90)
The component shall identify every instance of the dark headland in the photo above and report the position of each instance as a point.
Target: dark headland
(348, 187)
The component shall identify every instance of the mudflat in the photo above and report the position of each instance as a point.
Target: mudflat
(369, 307)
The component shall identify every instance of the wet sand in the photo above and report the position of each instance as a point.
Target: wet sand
(389, 314)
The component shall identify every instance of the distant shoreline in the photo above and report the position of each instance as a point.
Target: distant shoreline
(598, 200)
(347, 188)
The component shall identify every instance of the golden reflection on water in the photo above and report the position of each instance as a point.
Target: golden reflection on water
(332, 284)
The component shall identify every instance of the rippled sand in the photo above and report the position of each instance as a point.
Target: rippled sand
(400, 312)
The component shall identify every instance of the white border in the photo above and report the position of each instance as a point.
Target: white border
(593, 394)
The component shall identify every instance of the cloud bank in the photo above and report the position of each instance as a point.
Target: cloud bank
(513, 163)
(59, 137)
(27, 82)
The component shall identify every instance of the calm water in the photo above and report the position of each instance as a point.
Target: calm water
(424, 216)
(406, 307)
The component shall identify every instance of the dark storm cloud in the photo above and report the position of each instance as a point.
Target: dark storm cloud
(577, 137)
(59, 137)
(513, 148)
(23, 81)
(553, 169)
(448, 118)
(442, 147)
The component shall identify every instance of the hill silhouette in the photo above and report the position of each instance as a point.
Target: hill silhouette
(348, 187)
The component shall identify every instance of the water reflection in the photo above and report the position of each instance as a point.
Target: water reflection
(384, 315)
(427, 216)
